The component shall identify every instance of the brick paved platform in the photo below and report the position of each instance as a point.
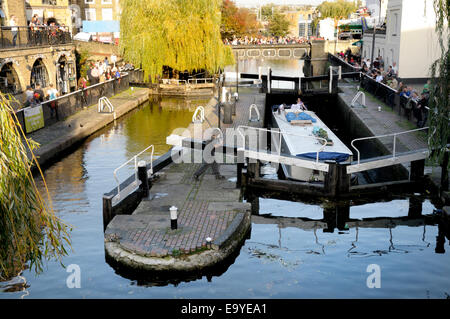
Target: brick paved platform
(206, 208)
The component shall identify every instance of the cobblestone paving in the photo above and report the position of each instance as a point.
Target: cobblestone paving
(385, 122)
(206, 208)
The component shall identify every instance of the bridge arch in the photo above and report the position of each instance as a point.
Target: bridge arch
(9, 79)
(39, 74)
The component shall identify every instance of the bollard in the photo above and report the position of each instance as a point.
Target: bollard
(143, 177)
(173, 217)
(208, 242)
(227, 113)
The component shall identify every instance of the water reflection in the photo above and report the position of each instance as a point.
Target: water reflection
(337, 216)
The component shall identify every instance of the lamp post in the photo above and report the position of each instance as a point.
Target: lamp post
(374, 32)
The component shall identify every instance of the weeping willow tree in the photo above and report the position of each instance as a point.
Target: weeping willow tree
(439, 113)
(183, 35)
(29, 230)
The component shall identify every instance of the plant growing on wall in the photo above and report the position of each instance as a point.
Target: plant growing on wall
(29, 230)
(183, 35)
(439, 102)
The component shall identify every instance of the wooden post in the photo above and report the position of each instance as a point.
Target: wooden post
(253, 169)
(415, 207)
(417, 170)
(143, 177)
(107, 211)
(240, 166)
(343, 184)
(331, 179)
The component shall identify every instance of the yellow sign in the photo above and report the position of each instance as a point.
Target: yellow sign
(34, 118)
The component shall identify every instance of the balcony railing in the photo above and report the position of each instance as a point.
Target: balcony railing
(20, 37)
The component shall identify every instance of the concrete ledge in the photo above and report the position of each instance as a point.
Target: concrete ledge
(56, 147)
(185, 263)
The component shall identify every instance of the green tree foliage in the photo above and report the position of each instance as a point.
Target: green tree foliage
(184, 35)
(336, 10)
(267, 11)
(439, 101)
(29, 230)
(237, 21)
(278, 25)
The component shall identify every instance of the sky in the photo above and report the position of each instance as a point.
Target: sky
(281, 2)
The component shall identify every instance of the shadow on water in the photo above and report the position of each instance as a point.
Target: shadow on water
(148, 278)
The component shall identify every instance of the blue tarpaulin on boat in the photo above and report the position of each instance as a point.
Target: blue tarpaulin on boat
(299, 116)
(324, 156)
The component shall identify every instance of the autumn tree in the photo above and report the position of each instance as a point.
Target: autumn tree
(237, 21)
(182, 35)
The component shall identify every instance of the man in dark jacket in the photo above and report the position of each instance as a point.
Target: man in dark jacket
(216, 142)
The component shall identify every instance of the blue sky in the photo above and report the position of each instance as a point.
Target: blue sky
(262, 2)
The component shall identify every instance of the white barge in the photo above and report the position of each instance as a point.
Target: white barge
(299, 138)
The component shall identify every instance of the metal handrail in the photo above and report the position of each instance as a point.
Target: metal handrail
(363, 100)
(101, 104)
(386, 135)
(282, 133)
(253, 107)
(195, 115)
(150, 171)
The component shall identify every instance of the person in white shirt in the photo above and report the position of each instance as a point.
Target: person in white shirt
(14, 29)
(379, 77)
(300, 106)
(52, 94)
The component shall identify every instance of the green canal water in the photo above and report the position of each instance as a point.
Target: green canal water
(294, 249)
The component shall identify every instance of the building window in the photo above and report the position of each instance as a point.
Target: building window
(50, 2)
(106, 1)
(107, 14)
(89, 1)
(90, 14)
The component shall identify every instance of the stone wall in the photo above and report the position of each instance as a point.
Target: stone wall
(23, 59)
(98, 50)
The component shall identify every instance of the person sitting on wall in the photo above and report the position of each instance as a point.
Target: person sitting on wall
(379, 77)
(28, 96)
(39, 91)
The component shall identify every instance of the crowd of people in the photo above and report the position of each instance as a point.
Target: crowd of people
(258, 40)
(98, 72)
(411, 100)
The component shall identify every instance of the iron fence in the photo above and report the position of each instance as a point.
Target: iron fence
(71, 103)
(20, 36)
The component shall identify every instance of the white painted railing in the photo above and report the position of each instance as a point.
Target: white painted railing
(104, 101)
(381, 136)
(199, 115)
(363, 98)
(253, 107)
(136, 182)
(281, 133)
